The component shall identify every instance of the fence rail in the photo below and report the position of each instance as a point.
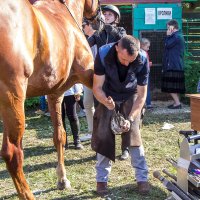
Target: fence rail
(191, 31)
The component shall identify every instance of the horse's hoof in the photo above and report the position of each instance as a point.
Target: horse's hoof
(64, 184)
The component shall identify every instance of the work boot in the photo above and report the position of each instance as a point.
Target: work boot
(143, 187)
(102, 188)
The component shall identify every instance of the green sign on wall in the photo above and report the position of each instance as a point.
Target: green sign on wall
(154, 16)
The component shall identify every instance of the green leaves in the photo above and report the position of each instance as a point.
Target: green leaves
(192, 75)
(32, 102)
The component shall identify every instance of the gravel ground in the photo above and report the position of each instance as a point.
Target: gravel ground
(160, 107)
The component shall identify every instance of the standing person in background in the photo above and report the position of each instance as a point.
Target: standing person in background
(71, 97)
(43, 106)
(88, 99)
(89, 32)
(173, 79)
(81, 106)
(145, 44)
(109, 34)
(198, 85)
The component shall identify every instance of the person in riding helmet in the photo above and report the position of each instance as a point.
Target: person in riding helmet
(110, 32)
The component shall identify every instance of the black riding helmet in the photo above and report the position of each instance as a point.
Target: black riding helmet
(113, 9)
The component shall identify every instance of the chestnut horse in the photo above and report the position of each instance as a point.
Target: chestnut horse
(42, 51)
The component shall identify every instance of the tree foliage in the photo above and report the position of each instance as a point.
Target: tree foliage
(32, 102)
(192, 75)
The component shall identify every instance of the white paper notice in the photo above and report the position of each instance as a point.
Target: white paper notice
(150, 16)
(164, 13)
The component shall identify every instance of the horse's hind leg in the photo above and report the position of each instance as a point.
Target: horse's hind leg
(12, 109)
(59, 139)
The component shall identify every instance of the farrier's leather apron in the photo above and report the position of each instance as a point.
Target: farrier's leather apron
(103, 140)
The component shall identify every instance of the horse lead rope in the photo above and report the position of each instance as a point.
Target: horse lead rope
(64, 2)
(92, 18)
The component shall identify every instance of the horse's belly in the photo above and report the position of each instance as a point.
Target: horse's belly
(44, 83)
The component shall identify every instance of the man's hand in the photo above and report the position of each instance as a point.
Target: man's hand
(170, 30)
(126, 126)
(130, 118)
(109, 103)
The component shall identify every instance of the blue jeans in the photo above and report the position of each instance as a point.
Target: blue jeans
(43, 106)
(138, 162)
(148, 99)
(198, 87)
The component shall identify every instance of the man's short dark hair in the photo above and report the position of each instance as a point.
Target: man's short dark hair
(130, 43)
(173, 23)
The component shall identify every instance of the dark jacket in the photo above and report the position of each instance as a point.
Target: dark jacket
(137, 74)
(108, 35)
(173, 57)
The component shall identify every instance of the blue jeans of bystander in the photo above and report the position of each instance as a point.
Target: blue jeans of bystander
(43, 106)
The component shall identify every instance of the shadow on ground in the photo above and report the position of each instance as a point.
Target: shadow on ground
(115, 193)
(40, 167)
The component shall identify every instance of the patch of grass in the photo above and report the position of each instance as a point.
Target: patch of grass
(41, 160)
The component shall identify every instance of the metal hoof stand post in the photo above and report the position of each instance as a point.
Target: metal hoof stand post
(186, 185)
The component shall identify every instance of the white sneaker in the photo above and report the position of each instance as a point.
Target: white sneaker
(47, 114)
(86, 137)
(81, 113)
(125, 155)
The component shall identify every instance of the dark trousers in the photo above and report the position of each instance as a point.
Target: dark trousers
(69, 109)
(80, 102)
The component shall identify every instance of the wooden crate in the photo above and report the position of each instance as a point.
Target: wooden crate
(195, 111)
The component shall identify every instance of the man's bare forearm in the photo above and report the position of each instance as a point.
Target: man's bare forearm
(100, 95)
(139, 102)
(137, 107)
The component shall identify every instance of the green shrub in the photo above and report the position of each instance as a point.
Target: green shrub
(32, 102)
(192, 74)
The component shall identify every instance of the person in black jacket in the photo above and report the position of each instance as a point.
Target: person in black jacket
(173, 80)
(109, 34)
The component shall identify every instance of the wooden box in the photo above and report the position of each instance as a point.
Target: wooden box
(195, 111)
